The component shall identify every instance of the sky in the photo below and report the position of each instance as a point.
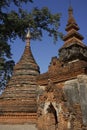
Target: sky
(44, 50)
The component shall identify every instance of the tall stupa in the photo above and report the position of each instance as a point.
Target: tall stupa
(18, 103)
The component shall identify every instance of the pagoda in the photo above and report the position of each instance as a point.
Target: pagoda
(73, 47)
(63, 88)
(72, 56)
(18, 103)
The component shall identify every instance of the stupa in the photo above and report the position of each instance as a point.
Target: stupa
(18, 102)
(73, 47)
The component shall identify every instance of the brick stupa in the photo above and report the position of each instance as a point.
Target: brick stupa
(18, 101)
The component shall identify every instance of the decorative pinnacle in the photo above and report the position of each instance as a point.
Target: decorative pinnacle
(70, 10)
(28, 34)
(28, 37)
(71, 18)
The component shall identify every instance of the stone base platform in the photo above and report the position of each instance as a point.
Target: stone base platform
(18, 127)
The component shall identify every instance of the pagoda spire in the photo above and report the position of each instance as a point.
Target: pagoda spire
(70, 13)
(72, 30)
(71, 23)
(71, 50)
(28, 37)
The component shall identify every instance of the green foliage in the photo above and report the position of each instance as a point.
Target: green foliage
(6, 69)
(14, 23)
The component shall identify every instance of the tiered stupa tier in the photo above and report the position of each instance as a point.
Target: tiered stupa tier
(18, 103)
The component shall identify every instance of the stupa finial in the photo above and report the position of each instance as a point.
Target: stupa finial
(28, 34)
(70, 13)
(28, 37)
(70, 9)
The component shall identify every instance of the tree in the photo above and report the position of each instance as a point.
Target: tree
(14, 23)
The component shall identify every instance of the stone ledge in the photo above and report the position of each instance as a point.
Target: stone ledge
(18, 127)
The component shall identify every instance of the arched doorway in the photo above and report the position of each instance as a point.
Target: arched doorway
(50, 118)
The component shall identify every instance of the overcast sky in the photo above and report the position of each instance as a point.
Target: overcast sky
(44, 50)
